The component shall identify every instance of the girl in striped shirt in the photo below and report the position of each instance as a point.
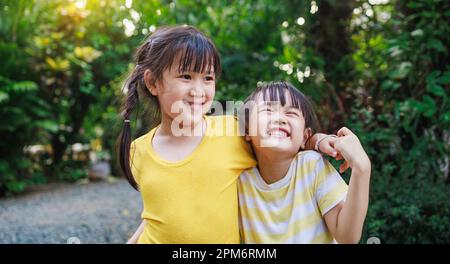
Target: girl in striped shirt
(292, 196)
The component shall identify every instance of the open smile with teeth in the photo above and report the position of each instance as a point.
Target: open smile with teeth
(278, 133)
(195, 104)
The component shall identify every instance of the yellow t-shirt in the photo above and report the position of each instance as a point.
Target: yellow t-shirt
(290, 210)
(194, 200)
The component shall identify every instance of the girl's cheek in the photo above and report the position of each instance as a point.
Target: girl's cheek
(262, 123)
(211, 93)
(253, 127)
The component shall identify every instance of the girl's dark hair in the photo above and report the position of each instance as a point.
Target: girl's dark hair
(276, 92)
(191, 49)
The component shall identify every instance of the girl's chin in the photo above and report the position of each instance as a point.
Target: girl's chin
(186, 122)
(194, 120)
(277, 145)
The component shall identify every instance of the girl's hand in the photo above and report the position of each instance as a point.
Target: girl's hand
(350, 149)
(326, 146)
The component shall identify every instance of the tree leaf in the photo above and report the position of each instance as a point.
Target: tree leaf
(401, 71)
(436, 90)
(436, 44)
(3, 97)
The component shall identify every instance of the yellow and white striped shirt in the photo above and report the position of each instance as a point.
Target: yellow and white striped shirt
(290, 210)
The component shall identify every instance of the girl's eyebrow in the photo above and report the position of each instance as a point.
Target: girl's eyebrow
(270, 103)
(189, 70)
(277, 103)
(294, 108)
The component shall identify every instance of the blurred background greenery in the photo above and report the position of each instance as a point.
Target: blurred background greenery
(379, 67)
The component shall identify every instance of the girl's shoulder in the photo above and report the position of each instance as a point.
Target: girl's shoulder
(314, 167)
(309, 153)
(309, 160)
(141, 143)
(306, 155)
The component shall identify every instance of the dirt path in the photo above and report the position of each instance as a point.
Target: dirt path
(100, 212)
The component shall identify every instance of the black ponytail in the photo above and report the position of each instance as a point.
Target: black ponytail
(129, 104)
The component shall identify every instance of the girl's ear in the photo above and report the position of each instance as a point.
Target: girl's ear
(150, 82)
(307, 133)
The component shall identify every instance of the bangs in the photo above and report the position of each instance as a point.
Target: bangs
(286, 94)
(197, 54)
(276, 92)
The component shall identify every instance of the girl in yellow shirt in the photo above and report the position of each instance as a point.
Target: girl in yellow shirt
(187, 167)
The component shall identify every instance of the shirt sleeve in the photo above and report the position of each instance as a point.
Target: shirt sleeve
(134, 161)
(244, 152)
(329, 187)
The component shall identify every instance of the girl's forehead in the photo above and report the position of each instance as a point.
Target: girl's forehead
(178, 67)
(185, 61)
(268, 98)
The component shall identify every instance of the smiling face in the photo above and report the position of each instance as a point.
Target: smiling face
(277, 118)
(179, 67)
(277, 127)
(184, 96)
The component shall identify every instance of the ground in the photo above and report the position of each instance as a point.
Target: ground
(96, 212)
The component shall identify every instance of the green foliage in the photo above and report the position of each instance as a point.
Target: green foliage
(404, 123)
(74, 56)
(408, 213)
(379, 68)
(21, 110)
(71, 171)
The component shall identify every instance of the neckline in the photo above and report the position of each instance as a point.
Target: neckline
(283, 182)
(151, 151)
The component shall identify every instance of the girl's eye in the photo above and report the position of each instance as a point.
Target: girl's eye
(293, 113)
(266, 109)
(185, 76)
(209, 78)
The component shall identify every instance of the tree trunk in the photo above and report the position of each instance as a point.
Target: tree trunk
(332, 41)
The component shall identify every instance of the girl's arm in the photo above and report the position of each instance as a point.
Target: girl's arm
(345, 221)
(326, 144)
(312, 141)
(137, 234)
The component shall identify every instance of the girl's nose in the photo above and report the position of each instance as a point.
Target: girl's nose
(196, 92)
(279, 119)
